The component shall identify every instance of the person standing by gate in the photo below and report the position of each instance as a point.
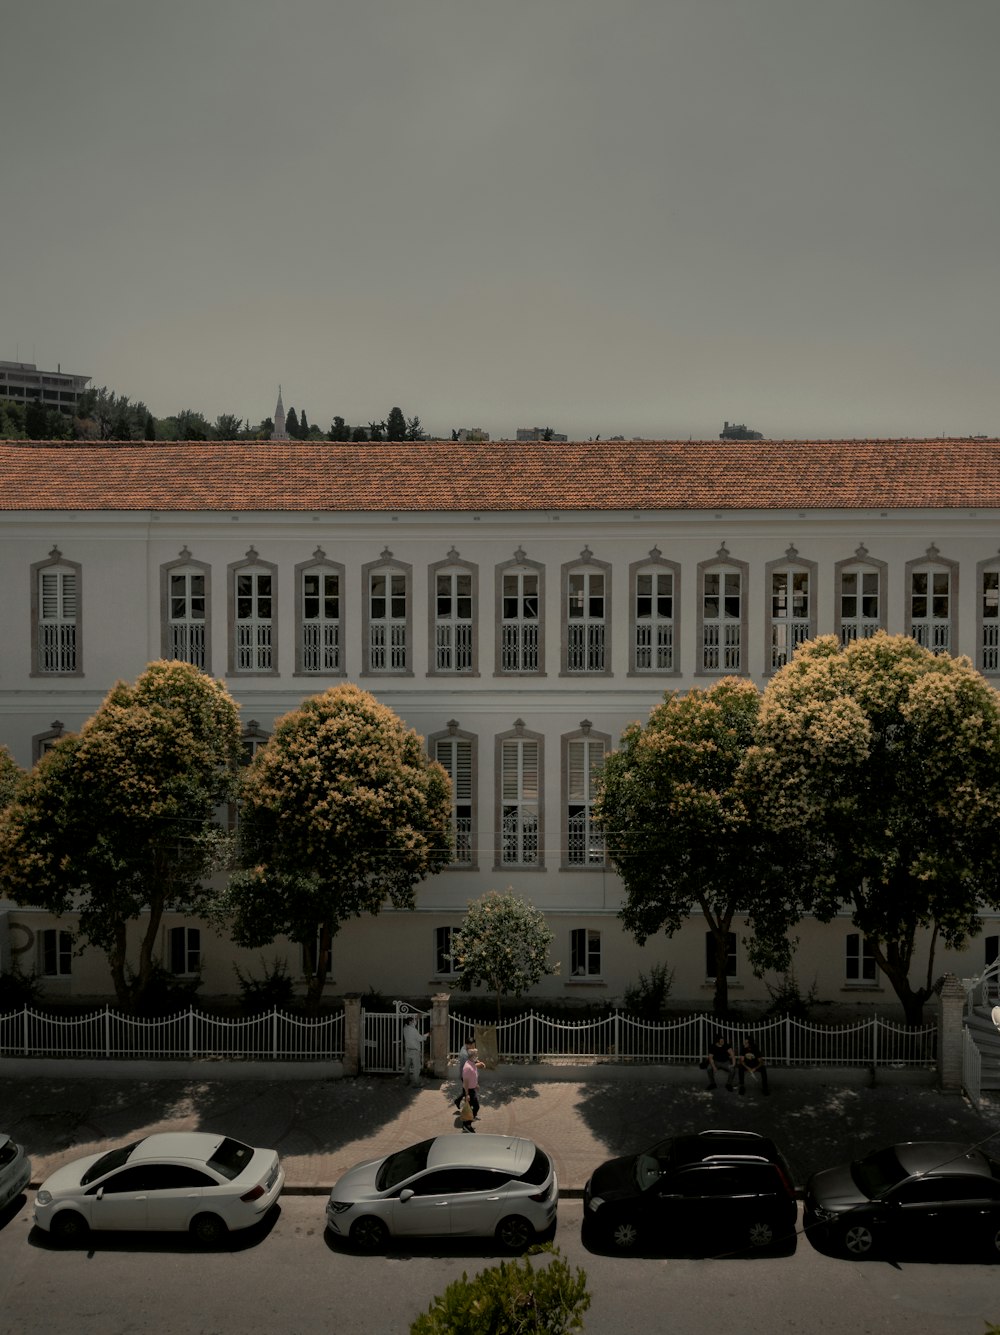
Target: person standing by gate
(413, 1048)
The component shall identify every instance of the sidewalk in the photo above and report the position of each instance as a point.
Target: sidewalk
(580, 1115)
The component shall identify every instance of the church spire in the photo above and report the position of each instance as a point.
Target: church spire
(279, 432)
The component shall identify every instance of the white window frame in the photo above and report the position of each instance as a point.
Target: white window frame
(654, 637)
(722, 634)
(184, 947)
(457, 753)
(55, 943)
(520, 618)
(860, 966)
(586, 963)
(56, 617)
(854, 617)
(253, 637)
(387, 628)
(586, 617)
(520, 822)
(186, 637)
(789, 624)
(319, 639)
(583, 756)
(988, 616)
(932, 602)
(453, 644)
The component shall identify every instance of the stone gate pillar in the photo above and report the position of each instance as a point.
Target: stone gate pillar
(352, 1033)
(438, 1055)
(951, 1004)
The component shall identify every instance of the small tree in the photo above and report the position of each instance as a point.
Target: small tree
(340, 812)
(502, 943)
(395, 425)
(118, 821)
(512, 1298)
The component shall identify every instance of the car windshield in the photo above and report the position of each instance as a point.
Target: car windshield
(539, 1170)
(231, 1158)
(877, 1173)
(113, 1159)
(398, 1167)
(651, 1166)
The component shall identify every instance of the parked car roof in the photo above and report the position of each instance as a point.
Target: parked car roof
(941, 1156)
(512, 1154)
(177, 1145)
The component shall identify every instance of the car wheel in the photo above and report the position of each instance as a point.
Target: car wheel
(993, 1240)
(208, 1230)
(68, 1227)
(760, 1234)
(514, 1233)
(624, 1234)
(857, 1240)
(369, 1234)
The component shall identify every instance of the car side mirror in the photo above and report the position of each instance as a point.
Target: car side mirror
(405, 1195)
(100, 1193)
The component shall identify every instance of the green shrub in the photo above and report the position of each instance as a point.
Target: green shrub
(272, 992)
(19, 990)
(648, 998)
(512, 1298)
(787, 999)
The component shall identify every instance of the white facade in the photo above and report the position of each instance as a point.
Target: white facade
(519, 644)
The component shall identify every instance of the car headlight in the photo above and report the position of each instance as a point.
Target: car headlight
(595, 1202)
(43, 1197)
(338, 1207)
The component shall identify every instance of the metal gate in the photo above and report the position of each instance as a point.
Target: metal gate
(382, 1038)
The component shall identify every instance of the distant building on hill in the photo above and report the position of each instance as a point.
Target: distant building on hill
(738, 431)
(22, 382)
(538, 433)
(471, 433)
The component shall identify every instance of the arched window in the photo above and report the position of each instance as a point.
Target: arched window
(253, 616)
(319, 616)
(387, 616)
(185, 611)
(56, 601)
(586, 586)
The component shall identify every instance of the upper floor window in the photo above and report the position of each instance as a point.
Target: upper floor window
(587, 614)
(521, 599)
(722, 613)
(859, 959)
(790, 611)
(55, 613)
(520, 798)
(253, 596)
(185, 614)
(989, 616)
(584, 953)
(320, 616)
(931, 601)
(860, 596)
(453, 646)
(387, 615)
(584, 754)
(455, 753)
(655, 600)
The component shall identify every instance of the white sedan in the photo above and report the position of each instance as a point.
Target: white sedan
(473, 1186)
(179, 1181)
(15, 1170)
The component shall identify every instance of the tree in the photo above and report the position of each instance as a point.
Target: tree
(512, 1298)
(879, 764)
(375, 430)
(503, 942)
(303, 426)
(339, 430)
(395, 425)
(292, 424)
(118, 821)
(359, 434)
(414, 431)
(227, 427)
(677, 828)
(11, 775)
(340, 812)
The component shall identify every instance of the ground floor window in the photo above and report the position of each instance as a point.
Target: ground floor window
(859, 959)
(585, 953)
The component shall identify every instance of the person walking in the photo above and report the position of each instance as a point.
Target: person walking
(413, 1050)
(752, 1061)
(470, 1086)
(463, 1057)
(720, 1060)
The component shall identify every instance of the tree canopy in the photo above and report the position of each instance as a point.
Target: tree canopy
(879, 764)
(503, 942)
(677, 828)
(340, 811)
(118, 821)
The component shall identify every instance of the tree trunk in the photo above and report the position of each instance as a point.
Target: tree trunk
(720, 935)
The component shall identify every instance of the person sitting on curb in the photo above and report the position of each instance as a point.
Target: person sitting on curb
(720, 1060)
(752, 1061)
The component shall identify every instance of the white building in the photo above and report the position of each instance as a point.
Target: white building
(518, 603)
(23, 382)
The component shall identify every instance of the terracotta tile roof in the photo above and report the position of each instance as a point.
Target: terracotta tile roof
(503, 475)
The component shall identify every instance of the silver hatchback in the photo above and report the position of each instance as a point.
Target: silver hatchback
(15, 1170)
(458, 1186)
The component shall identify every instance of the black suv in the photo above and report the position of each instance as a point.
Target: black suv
(727, 1188)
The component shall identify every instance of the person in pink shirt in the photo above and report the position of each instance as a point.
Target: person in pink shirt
(470, 1083)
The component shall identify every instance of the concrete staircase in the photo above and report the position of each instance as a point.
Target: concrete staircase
(987, 1039)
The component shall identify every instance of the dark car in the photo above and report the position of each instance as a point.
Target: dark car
(921, 1194)
(727, 1188)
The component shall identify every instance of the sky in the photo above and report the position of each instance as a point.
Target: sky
(611, 217)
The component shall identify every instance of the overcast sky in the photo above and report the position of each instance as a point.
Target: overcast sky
(634, 217)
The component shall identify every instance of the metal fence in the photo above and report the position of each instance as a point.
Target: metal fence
(785, 1042)
(274, 1036)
